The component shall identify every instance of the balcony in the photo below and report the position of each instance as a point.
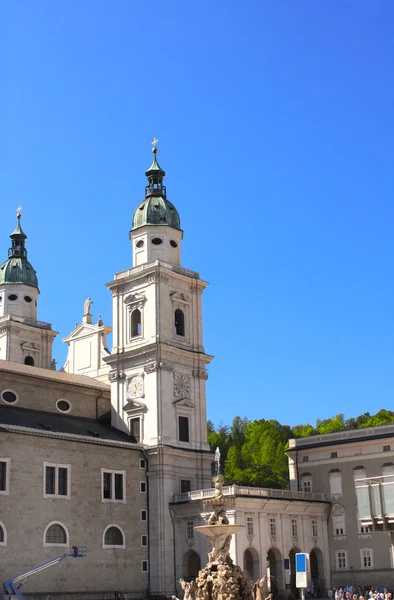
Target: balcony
(253, 492)
(26, 321)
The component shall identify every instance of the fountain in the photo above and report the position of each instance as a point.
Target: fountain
(221, 579)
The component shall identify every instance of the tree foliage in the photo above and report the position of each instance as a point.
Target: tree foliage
(254, 452)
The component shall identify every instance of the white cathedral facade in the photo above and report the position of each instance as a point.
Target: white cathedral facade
(111, 452)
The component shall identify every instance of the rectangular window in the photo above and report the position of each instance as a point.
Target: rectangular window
(186, 486)
(366, 529)
(4, 475)
(294, 528)
(366, 554)
(314, 528)
(142, 463)
(56, 480)
(338, 525)
(142, 487)
(113, 486)
(135, 429)
(386, 448)
(341, 559)
(334, 455)
(306, 484)
(305, 458)
(144, 540)
(183, 429)
(144, 566)
(335, 478)
(190, 530)
(249, 526)
(144, 515)
(273, 527)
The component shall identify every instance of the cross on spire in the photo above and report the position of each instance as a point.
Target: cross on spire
(18, 212)
(154, 149)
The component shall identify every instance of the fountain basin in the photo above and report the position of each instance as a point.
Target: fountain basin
(214, 531)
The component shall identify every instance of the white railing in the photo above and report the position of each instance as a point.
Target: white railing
(238, 490)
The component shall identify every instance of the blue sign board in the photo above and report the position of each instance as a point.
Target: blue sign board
(300, 562)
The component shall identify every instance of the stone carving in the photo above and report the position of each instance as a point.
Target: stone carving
(181, 385)
(200, 373)
(154, 366)
(87, 306)
(114, 375)
(135, 299)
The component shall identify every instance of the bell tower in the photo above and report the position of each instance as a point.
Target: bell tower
(23, 339)
(158, 366)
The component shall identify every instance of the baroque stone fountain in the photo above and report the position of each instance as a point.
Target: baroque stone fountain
(221, 579)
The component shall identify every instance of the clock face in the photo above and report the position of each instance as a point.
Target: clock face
(136, 387)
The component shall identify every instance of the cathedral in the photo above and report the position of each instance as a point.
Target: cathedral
(110, 452)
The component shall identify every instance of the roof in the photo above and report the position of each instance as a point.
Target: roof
(341, 437)
(155, 167)
(156, 210)
(82, 380)
(18, 270)
(43, 423)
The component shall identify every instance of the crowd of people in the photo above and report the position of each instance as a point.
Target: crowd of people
(356, 593)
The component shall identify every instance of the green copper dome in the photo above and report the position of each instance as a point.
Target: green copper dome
(17, 268)
(156, 209)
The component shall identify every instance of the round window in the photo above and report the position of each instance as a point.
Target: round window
(173, 244)
(157, 241)
(28, 299)
(140, 244)
(9, 396)
(63, 405)
(12, 297)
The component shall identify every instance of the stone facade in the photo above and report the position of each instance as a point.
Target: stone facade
(361, 552)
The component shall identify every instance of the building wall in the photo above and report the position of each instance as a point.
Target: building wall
(25, 513)
(344, 455)
(40, 389)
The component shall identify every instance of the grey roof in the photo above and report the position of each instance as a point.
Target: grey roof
(61, 377)
(39, 422)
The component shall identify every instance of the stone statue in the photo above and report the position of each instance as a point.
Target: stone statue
(86, 307)
(189, 589)
(258, 589)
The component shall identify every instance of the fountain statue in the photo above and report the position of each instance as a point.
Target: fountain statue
(221, 579)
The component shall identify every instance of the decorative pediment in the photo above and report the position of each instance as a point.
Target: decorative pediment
(184, 402)
(337, 509)
(135, 299)
(82, 330)
(133, 407)
(180, 297)
(30, 346)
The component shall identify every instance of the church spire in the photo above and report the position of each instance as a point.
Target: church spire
(155, 175)
(18, 237)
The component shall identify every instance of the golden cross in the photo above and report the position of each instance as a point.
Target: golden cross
(155, 140)
(18, 212)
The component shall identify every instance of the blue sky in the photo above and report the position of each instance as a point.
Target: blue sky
(275, 125)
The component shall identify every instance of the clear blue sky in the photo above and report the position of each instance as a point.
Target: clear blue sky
(275, 125)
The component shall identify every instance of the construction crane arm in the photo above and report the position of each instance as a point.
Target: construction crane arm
(9, 585)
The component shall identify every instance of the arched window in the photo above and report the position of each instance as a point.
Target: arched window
(29, 360)
(113, 536)
(3, 535)
(179, 322)
(56, 534)
(136, 323)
